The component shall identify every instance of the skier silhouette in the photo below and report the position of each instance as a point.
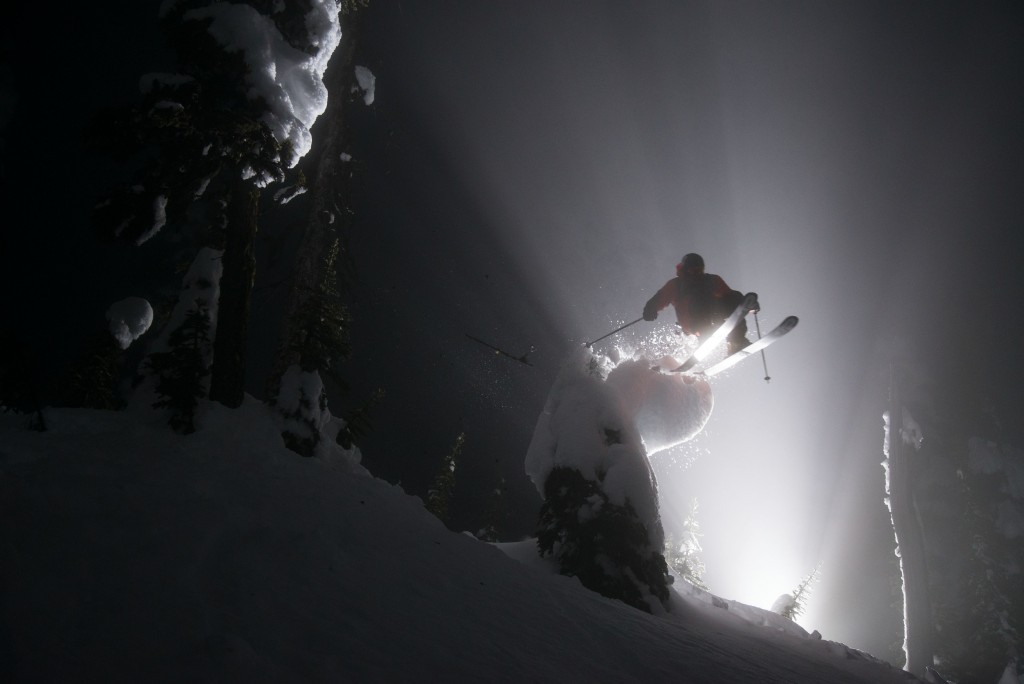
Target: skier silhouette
(702, 302)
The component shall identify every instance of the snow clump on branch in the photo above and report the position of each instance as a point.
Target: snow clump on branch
(129, 319)
(288, 79)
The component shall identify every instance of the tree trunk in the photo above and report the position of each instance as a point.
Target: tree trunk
(917, 618)
(329, 193)
(227, 378)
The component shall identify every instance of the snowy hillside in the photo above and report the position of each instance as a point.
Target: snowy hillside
(130, 553)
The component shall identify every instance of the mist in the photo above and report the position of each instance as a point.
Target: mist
(545, 167)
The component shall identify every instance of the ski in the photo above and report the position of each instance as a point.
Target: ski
(774, 336)
(748, 304)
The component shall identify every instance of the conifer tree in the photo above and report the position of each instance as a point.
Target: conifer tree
(205, 146)
(793, 605)
(603, 544)
(323, 323)
(439, 496)
(181, 371)
(320, 342)
(329, 191)
(599, 520)
(93, 381)
(684, 556)
(357, 421)
(314, 296)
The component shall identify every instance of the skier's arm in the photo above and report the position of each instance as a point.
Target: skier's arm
(659, 301)
(719, 290)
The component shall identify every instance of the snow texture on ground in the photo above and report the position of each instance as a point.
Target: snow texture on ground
(130, 553)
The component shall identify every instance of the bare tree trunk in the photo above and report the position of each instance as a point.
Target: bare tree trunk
(227, 377)
(329, 191)
(917, 619)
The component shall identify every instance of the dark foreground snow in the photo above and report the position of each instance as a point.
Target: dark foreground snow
(133, 554)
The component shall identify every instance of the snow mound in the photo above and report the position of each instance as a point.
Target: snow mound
(667, 408)
(646, 409)
(584, 425)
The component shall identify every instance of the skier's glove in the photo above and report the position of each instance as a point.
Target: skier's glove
(650, 314)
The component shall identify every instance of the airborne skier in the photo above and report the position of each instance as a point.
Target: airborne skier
(702, 302)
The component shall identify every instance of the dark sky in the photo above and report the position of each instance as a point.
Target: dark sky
(531, 172)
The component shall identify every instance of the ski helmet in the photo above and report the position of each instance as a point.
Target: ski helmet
(691, 262)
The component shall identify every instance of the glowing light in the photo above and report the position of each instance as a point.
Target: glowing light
(767, 573)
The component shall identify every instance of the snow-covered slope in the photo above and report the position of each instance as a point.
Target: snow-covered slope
(130, 553)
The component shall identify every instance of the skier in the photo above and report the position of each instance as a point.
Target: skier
(702, 302)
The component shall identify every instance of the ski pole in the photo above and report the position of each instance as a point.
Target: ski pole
(590, 344)
(764, 361)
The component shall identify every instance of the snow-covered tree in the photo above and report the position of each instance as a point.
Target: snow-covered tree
(321, 340)
(324, 322)
(330, 169)
(181, 371)
(968, 503)
(357, 421)
(232, 119)
(329, 190)
(175, 373)
(902, 438)
(603, 544)
(302, 409)
(793, 604)
(683, 555)
(599, 520)
(94, 381)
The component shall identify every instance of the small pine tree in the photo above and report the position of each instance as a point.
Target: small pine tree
(357, 422)
(439, 496)
(324, 323)
(684, 556)
(791, 606)
(603, 544)
(93, 380)
(182, 370)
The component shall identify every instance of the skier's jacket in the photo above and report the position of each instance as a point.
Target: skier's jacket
(701, 302)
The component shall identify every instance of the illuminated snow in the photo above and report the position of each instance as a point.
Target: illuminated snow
(367, 83)
(288, 80)
(129, 319)
(667, 408)
(584, 426)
